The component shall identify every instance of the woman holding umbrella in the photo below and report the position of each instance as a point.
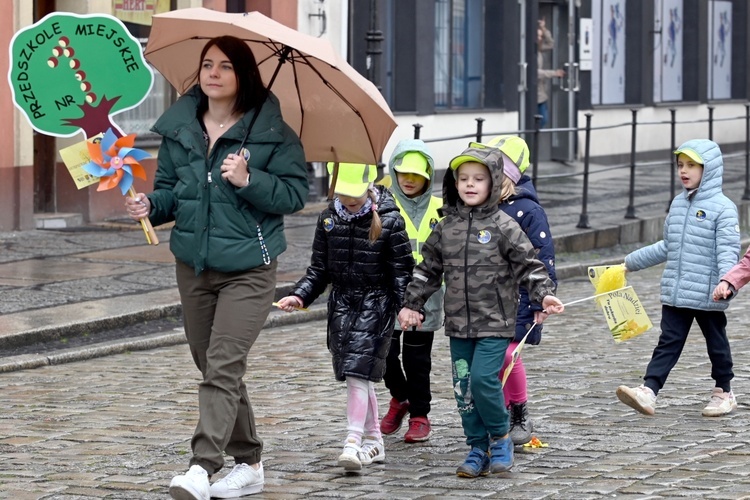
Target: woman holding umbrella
(227, 198)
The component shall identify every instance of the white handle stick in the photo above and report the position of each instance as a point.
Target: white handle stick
(595, 296)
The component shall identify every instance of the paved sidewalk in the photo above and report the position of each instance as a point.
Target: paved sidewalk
(119, 427)
(63, 284)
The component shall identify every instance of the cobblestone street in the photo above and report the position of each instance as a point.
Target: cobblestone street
(120, 426)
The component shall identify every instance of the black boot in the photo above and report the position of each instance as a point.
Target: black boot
(520, 423)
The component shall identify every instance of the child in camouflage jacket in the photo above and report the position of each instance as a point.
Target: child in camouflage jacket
(484, 256)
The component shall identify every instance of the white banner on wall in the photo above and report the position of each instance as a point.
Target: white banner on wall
(668, 15)
(720, 50)
(608, 73)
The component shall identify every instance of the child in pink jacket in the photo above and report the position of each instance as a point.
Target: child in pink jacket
(734, 279)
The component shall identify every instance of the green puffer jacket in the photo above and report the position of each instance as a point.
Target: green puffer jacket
(216, 224)
(484, 255)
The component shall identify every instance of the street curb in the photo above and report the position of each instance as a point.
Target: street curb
(74, 329)
(28, 361)
(146, 342)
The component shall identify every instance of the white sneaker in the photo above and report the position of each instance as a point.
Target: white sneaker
(349, 458)
(241, 481)
(372, 451)
(639, 398)
(721, 403)
(193, 485)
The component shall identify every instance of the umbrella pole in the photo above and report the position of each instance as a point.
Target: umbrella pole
(334, 175)
(247, 134)
(282, 59)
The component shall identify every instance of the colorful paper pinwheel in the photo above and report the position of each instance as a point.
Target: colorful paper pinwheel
(115, 161)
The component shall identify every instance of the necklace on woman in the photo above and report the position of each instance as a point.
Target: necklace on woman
(221, 125)
(227, 121)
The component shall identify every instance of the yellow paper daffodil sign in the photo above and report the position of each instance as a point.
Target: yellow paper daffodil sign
(622, 309)
(75, 157)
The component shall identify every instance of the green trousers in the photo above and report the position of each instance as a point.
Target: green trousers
(223, 314)
(479, 395)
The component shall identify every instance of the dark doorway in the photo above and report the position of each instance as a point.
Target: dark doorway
(44, 145)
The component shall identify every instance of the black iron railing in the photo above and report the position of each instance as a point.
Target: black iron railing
(633, 165)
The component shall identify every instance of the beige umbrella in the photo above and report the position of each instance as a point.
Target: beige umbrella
(338, 114)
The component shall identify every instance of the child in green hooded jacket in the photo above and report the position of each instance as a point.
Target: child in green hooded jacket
(412, 171)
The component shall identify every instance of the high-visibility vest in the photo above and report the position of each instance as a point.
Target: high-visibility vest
(417, 237)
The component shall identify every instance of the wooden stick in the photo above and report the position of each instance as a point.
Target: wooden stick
(148, 229)
(514, 356)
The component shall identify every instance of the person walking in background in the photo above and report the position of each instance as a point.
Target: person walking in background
(545, 43)
(701, 243)
(412, 169)
(228, 207)
(484, 256)
(519, 200)
(360, 248)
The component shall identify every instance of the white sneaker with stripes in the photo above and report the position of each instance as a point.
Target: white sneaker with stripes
(373, 450)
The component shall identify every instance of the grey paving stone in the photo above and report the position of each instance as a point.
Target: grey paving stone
(119, 426)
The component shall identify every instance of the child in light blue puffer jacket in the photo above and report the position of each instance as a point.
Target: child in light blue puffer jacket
(701, 244)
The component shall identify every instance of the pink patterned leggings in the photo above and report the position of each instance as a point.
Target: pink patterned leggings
(361, 410)
(515, 387)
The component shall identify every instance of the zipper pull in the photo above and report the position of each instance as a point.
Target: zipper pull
(209, 178)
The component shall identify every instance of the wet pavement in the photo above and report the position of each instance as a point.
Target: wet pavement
(119, 427)
(111, 416)
(58, 285)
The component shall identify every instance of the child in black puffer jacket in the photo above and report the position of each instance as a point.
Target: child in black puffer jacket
(361, 248)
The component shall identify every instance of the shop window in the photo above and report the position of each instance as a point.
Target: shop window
(459, 52)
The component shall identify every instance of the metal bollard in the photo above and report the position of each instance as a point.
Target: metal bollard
(417, 129)
(583, 220)
(535, 146)
(480, 121)
(711, 123)
(673, 170)
(630, 213)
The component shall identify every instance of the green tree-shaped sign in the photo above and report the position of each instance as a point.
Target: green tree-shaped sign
(70, 73)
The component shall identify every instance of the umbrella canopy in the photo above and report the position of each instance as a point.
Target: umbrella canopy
(338, 114)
